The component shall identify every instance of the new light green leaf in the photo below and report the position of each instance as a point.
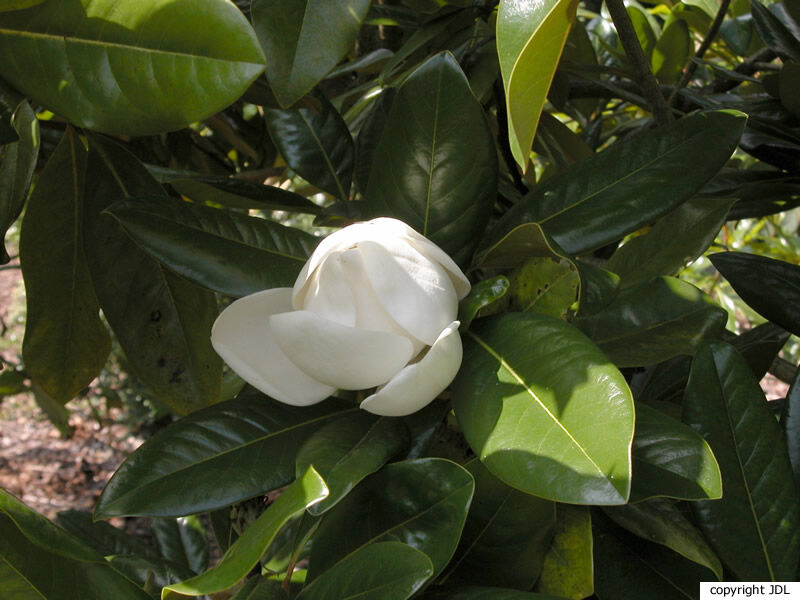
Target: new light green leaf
(214, 457)
(130, 68)
(245, 553)
(66, 343)
(755, 526)
(530, 38)
(304, 39)
(530, 397)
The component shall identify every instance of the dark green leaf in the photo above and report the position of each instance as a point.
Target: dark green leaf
(675, 240)
(775, 34)
(630, 184)
(645, 32)
(304, 39)
(11, 382)
(17, 4)
(42, 561)
(66, 343)
(17, 163)
(568, 570)
(506, 536)
(422, 503)
(380, 571)
(759, 346)
(315, 142)
(475, 592)
(242, 556)
(661, 522)
(55, 411)
(348, 449)
(750, 275)
(626, 565)
(214, 457)
(131, 69)
(530, 397)
(150, 573)
(227, 252)
(530, 38)
(435, 166)
(183, 541)
(670, 459)
(480, 296)
(369, 136)
(598, 288)
(791, 425)
(653, 321)
(260, 588)
(103, 538)
(755, 527)
(162, 322)
(519, 245)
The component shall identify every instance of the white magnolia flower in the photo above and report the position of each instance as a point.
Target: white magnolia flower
(374, 306)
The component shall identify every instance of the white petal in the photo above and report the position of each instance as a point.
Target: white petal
(341, 356)
(329, 294)
(434, 253)
(242, 336)
(418, 384)
(416, 292)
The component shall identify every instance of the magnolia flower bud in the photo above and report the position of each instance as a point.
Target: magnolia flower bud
(374, 306)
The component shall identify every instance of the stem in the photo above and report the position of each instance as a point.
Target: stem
(690, 68)
(641, 68)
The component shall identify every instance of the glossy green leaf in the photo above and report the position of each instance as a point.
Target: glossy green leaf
(671, 459)
(755, 527)
(369, 137)
(422, 503)
(653, 321)
(661, 522)
(775, 34)
(751, 274)
(671, 51)
(380, 571)
(304, 39)
(568, 570)
(17, 163)
(183, 541)
(130, 69)
(162, 321)
(598, 288)
(791, 425)
(233, 192)
(150, 573)
(629, 185)
(103, 538)
(673, 242)
(245, 553)
(66, 343)
(519, 245)
(315, 142)
(481, 295)
(42, 561)
(530, 397)
(530, 39)
(214, 457)
(435, 166)
(224, 251)
(348, 449)
(506, 536)
(625, 565)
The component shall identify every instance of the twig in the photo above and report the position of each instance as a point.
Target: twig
(691, 67)
(749, 66)
(643, 74)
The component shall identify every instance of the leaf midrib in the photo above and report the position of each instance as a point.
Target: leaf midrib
(103, 43)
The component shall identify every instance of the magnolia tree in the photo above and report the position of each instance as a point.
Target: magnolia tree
(409, 275)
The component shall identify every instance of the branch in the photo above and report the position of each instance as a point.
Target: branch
(643, 74)
(690, 68)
